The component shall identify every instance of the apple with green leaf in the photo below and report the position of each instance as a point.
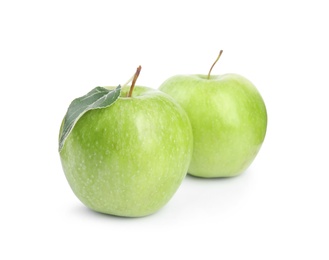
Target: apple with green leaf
(228, 118)
(125, 151)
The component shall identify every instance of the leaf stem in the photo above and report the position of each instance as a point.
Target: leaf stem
(128, 81)
(220, 53)
(134, 79)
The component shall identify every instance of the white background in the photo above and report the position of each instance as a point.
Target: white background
(54, 51)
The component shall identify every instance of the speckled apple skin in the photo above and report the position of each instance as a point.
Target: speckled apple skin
(130, 158)
(228, 118)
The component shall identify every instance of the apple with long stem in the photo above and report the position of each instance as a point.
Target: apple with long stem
(228, 118)
(127, 150)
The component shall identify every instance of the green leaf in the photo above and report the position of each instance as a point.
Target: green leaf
(97, 98)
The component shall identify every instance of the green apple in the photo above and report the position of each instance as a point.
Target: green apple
(228, 118)
(130, 158)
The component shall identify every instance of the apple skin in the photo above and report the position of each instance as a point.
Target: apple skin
(228, 118)
(130, 158)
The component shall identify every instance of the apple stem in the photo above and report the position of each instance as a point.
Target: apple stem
(220, 53)
(134, 81)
